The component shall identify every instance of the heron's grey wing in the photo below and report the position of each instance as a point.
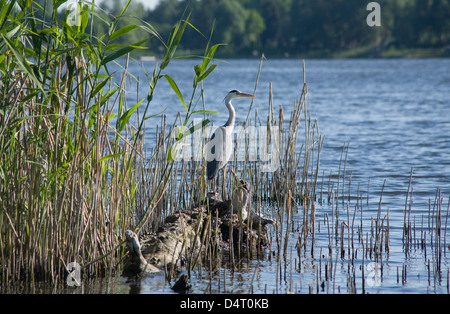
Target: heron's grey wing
(216, 158)
(212, 167)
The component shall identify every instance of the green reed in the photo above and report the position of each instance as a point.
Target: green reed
(72, 162)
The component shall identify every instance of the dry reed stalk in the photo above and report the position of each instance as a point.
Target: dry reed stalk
(286, 239)
(405, 222)
(342, 250)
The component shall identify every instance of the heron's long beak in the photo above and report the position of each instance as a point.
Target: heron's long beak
(246, 95)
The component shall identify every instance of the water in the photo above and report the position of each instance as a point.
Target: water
(393, 114)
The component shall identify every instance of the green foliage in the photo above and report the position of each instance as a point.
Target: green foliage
(68, 176)
(305, 26)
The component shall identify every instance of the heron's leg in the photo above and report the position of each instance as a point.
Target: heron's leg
(224, 185)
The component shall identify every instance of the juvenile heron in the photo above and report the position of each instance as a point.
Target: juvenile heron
(241, 205)
(220, 146)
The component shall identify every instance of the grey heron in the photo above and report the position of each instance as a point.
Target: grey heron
(220, 146)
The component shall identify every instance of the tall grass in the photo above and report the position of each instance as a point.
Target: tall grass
(70, 176)
(74, 175)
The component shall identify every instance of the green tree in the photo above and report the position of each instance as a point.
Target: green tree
(165, 15)
(203, 17)
(431, 20)
(270, 12)
(302, 26)
(230, 23)
(133, 16)
(330, 25)
(255, 26)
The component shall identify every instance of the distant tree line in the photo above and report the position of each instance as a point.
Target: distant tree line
(294, 27)
(304, 26)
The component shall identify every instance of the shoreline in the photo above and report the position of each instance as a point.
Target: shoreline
(356, 53)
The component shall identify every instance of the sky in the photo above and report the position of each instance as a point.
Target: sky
(149, 3)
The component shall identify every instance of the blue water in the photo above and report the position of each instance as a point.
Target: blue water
(393, 114)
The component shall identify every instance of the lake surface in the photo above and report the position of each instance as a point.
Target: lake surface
(394, 115)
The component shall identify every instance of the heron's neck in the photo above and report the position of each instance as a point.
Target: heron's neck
(231, 116)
